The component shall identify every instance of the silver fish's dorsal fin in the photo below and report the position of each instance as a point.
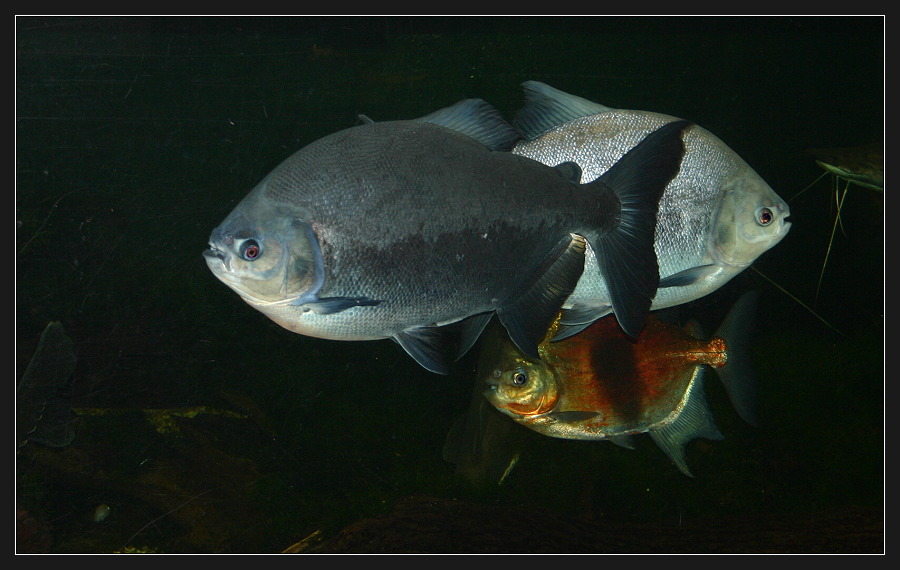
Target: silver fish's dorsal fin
(478, 119)
(546, 108)
(695, 420)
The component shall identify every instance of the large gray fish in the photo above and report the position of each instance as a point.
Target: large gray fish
(715, 218)
(393, 229)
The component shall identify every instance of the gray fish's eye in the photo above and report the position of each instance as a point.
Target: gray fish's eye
(764, 216)
(519, 377)
(250, 250)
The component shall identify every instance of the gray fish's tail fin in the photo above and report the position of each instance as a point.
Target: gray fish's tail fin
(626, 255)
(737, 375)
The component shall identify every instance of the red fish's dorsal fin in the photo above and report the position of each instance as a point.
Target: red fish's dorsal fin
(694, 329)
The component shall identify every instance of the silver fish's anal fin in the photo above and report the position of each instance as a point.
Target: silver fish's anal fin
(584, 314)
(478, 119)
(695, 420)
(565, 331)
(688, 276)
(331, 305)
(738, 375)
(578, 318)
(426, 346)
(546, 108)
(626, 255)
(528, 317)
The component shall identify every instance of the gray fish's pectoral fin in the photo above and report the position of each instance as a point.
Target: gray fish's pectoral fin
(472, 327)
(478, 119)
(331, 305)
(626, 254)
(695, 420)
(688, 276)
(528, 318)
(546, 108)
(426, 346)
(737, 375)
(364, 120)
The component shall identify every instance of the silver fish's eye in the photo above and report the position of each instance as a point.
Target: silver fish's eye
(250, 250)
(519, 377)
(764, 216)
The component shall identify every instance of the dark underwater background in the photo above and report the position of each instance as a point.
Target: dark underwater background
(200, 426)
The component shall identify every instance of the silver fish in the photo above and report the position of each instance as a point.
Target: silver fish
(394, 229)
(716, 217)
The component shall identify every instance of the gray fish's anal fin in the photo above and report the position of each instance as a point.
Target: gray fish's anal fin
(479, 120)
(426, 346)
(470, 330)
(688, 276)
(695, 420)
(626, 255)
(528, 318)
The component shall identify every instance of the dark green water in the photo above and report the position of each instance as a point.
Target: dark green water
(136, 136)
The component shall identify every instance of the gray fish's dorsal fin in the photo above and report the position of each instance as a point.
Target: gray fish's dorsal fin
(569, 171)
(478, 119)
(546, 108)
(528, 317)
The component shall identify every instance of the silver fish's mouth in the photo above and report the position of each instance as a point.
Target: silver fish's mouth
(213, 253)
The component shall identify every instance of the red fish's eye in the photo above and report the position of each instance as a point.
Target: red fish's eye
(764, 216)
(519, 378)
(250, 250)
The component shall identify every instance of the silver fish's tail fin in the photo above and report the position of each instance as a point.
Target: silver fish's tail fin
(737, 375)
(626, 255)
(695, 420)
